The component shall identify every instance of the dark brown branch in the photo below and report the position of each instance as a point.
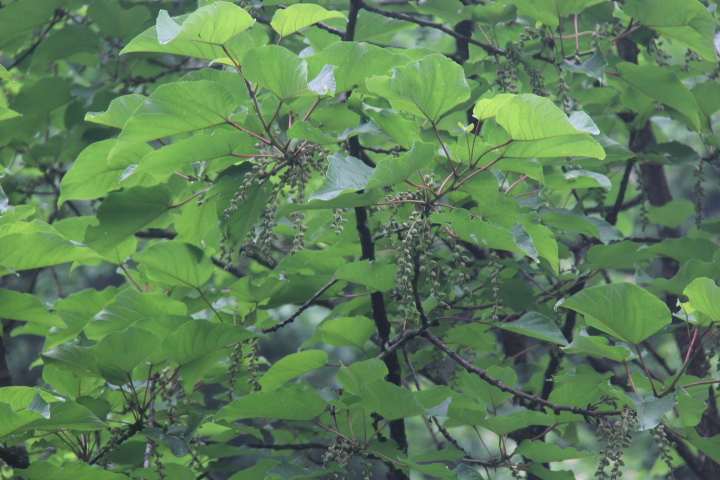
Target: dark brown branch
(533, 399)
(300, 310)
(612, 215)
(58, 15)
(377, 299)
(490, 49)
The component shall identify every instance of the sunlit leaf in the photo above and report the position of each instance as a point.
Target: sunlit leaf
(202, 34)
(292, 366)
(427, 88)
(624, 310)
(296, 17)
(293, 403)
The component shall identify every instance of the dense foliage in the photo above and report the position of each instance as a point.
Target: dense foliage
(453, 239)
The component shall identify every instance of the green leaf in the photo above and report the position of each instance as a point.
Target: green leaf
(343, 173)
(122, 214)
(688, 22)
(93, 175)
(202, 34)
(398, 169)
(119, 111)
(355, 377)
(623, 309)
(20, 19)
(292, 366)
(709, 446)
(214, 148)
(293, 403)
(593, 67)
(27, 308)
(176, 263)
(355, 62)
(390, 401)
(6, 113)
(401, 130)
(378, 276)
(659, 84)
(536, 325)
(43, 470)
(550, 12)
(136, 345)
(704, 297)
(574, 221)
(428, 88)
(36, 246)
(296, 17)
(347, 331)
(486, 394)
(541, 452)
(651, 409)
(72, 358)
(67, 415)
(64, 43)
(197, 339)
(485, 234)
(277, 69)
(177, 108)
(131, 307)
(494, 13)
(537, 127)
(598, 346)
(112, 20)
(691, 270)
(577, 179)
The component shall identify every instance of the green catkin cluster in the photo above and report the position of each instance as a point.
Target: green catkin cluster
(699, 190)
(342, 452)
(690, 57)
(495, 269)
(665, 446)
(296, 177)
(233, 369)
(460, 265)
(160, 466)
(617, 436)
(507, 74)
(563, 91)
(252, 367)
(338, 221)
(661, 56)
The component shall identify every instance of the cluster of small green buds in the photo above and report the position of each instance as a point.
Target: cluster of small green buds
(563, 94)
(460, 264)
(341, 452)
(252, 367)
(338, 221)
(537, 81)
(160, 466)
(665, 446)
(299, 240)
(233, 368)
(495, 269)
(618, 436)
(690, 56)
(699, 191)
(662, 57)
